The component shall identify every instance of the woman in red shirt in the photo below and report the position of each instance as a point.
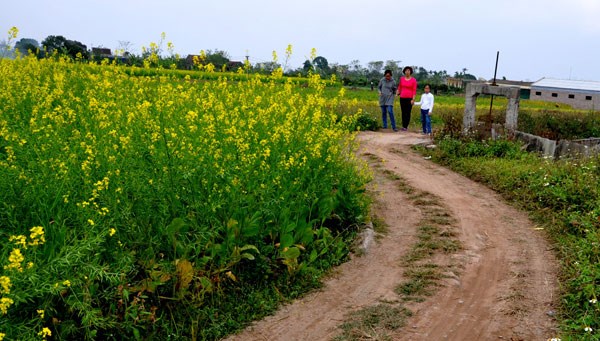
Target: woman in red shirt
(407, 90)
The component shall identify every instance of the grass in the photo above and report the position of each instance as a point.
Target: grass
(373, 323)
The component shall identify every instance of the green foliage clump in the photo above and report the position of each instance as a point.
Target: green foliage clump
(487, 148)
(365, 121)
(172, 207)
(560, 124)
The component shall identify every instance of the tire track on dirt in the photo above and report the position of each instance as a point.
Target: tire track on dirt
(508, 283)
(505, 288)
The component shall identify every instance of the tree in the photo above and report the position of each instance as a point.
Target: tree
(438, 77)
(421, 74)
(375, 70)
(266, 67)
(394, 66)
(54, 43)
(64, 46)
(6, 50)
(24, 45)
(464, 75)
(356, 66)
(321, 65)
(357, 74)
(469, 76)
(341, 72)
(307, 66)
(124, 48)
(74, 48)
(218, 58)
(375, 67)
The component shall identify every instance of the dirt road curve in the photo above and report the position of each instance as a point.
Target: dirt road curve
(504, 291)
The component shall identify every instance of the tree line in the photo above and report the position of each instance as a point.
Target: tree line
(353, 74)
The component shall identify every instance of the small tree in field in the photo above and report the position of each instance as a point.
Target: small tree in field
(24, 45)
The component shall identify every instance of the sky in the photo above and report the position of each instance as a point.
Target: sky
(534, 38)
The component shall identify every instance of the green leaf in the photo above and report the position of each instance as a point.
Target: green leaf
(249, 247)
(291, 253)
(289, 228)
(248, 256)
(206, 284)
(250, 231)
(286, 240)
(176, 225)
(251, 225)
(307, 236)
(313, 256)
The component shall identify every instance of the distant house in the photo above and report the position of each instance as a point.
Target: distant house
(101, 52)
(455, 82)
(234, 65)
(190, 65)
(578, 94)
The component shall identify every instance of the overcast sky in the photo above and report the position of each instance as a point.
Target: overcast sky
(536, 38)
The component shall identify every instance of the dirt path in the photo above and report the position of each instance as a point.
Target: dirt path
(504, 291)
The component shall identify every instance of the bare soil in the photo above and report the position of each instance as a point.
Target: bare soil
(506, 288)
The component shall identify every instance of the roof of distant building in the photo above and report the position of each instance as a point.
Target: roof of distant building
(567, 84)
(101, 50)
(522, 84)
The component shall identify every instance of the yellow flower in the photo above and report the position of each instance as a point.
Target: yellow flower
(112, 231)
(2, 335)
(45, 332)
(66, 283)
(19, 240)
(91, 222)
(13, 32)
(5, 284)
(5, 303)
(37, 235)
(15, 260)
(41, 313)
(313, 53)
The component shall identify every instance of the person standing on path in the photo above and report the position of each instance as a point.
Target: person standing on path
(386, 88)
(407, 90)
(426, 104)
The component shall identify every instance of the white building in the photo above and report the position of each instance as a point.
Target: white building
(578, 94)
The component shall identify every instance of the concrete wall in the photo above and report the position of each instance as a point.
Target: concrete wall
(562, 96)
(556, 149)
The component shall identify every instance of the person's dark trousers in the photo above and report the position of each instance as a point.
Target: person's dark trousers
(406, 107)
